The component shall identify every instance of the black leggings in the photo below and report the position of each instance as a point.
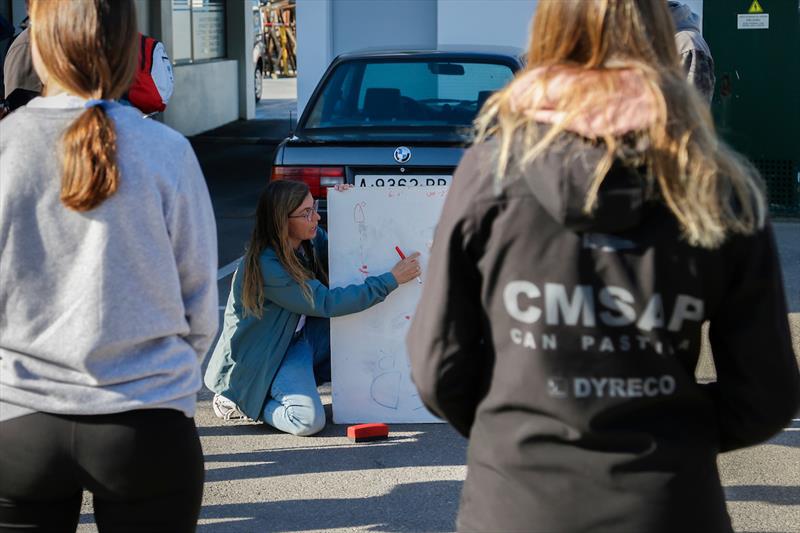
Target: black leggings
(144, 469)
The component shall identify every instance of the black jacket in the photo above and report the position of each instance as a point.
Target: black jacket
(565, 345)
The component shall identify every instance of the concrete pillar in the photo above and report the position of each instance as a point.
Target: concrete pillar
(154, 20)
(161, 22)
(239, 45)
(143, 16)
(314, 45)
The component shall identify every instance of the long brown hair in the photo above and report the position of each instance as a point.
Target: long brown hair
(277, 202)
(89, 48)
(709, 188)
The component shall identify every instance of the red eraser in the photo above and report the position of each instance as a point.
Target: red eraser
(367, 432)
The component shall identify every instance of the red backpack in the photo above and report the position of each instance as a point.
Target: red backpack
(153, 83)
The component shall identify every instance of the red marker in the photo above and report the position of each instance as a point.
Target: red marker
(403, 256)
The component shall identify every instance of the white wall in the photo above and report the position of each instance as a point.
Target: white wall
(495, 22)
(505, 22)
(206, 96)
(326, 28)
(387, 23)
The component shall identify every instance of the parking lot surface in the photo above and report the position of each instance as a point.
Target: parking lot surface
(258, 480)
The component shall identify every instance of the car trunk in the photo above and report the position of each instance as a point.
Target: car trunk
(367, 165)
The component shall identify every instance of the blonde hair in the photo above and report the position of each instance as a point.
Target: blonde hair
(89, 48)
(271, 230)
(710, 189)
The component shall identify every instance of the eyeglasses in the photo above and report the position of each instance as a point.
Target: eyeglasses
(309, 213)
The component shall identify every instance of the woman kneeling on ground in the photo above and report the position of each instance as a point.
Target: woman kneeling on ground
(275, 346)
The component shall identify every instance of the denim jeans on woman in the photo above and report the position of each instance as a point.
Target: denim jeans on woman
(294, 405)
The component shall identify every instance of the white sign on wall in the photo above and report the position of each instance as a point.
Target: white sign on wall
(752, 22)
(370, 370)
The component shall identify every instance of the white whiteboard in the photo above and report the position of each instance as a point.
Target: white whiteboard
(369, 365)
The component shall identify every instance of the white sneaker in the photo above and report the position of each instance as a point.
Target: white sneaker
(226, 409)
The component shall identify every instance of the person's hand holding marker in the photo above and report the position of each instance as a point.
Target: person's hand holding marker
(410, 266)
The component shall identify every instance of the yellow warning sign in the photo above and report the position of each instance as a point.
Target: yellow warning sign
(755, 7)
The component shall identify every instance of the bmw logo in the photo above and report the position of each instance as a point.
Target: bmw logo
(402, 154)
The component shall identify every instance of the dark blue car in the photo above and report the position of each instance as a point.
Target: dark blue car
(392, 117)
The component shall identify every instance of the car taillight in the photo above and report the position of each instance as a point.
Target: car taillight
(318, 179)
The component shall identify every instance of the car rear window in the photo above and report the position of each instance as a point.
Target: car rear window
(405, 93)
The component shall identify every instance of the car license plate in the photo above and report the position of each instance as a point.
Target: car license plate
(410, 180)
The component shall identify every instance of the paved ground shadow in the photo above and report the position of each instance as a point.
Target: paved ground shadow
(789, 437)
(423, 449)
(424, 506)
(775, 494)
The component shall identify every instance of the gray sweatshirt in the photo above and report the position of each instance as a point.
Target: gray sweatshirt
(112, 309)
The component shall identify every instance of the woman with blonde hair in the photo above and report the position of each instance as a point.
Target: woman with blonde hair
(595, 225)
(275, 343)
(107, 286)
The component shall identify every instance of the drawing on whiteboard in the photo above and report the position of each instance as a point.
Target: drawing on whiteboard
(371, 374)
(386, 362)
(415, 399)
(385, 387)
(360, 218)
(391, 385)
(401, 323)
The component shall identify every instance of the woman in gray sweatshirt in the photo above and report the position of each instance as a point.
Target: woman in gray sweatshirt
(107, 289)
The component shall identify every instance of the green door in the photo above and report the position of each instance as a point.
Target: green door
(756, 105)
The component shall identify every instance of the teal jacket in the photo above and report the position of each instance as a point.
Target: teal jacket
(250, 349)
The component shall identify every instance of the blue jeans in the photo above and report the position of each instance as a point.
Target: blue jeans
(294, 405)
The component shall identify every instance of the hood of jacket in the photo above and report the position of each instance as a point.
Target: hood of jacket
(560, 179)
(562, 175)
(683, 18)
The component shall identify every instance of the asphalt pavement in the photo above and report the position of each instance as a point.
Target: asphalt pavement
(259, 480)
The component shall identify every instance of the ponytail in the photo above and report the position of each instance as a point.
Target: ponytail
(88, 48)
(90, 173)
